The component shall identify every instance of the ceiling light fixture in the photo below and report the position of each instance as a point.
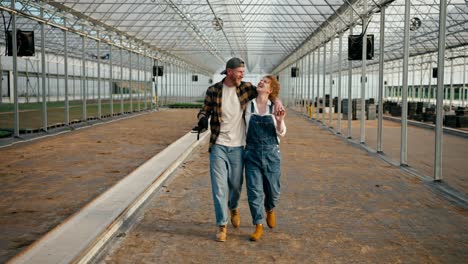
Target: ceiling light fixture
(415, 23)
(217, 23)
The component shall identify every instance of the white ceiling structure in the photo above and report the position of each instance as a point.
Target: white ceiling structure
(268, 34)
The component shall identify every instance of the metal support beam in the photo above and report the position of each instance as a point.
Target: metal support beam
(318, 84)
(440, 85)
(350, 90)
(363, 75)
(99, 77)
(331, 86)
(65, 67)
(111, 82)
(166, 90)
(381, 80)
(83, 78)
(309, 66)
(15, 71)
(464, 76)
(43, 75)
(340, 59)
(302, 76)
(312, 72)
(121, 81)
(130, 81)
(404, 91)
(452, 90)
(324, 80)
(138, 68)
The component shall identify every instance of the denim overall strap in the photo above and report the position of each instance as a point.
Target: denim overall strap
(262, 130)
(262, 166)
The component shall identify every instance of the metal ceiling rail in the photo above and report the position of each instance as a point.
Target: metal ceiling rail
(203, 39)
(315, 40)
(120, 33)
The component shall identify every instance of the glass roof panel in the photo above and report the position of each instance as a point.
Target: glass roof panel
(267, 34)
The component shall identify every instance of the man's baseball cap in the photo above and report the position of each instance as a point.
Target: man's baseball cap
(233, 63)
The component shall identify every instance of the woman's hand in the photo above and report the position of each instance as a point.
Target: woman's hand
(279, 116)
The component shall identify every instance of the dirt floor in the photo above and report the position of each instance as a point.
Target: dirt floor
(420, 148)
(44, 181)
(339, 204)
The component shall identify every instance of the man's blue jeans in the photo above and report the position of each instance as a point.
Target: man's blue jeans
(226, 169)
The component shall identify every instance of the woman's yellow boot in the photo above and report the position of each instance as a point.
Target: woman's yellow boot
(258, 233)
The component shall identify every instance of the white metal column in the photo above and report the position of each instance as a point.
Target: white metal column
(99, 76)
(83, 78)
(363, 76)
(138, 86)
(318, 84)
(121, 79)
(404, 90)
(340, 59)
(111, 97)
(350, 89)
(324, 80)
(381, 79)
(65, 62)
(130, 81)
(43, 74)
(452, 90)
(15, 71)
(440, 85)
(464, 77)
(312, 85)
(330, 117)
(307, 101)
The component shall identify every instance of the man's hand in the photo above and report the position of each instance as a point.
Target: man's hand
(203, 123)
(279, 108)
(201, 127)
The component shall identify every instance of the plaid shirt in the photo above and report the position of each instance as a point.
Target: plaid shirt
(212, 106)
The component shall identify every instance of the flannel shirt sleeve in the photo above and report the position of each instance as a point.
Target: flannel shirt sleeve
(208, 104)
(252, 92)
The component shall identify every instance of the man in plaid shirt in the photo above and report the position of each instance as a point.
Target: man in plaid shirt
(225, 102)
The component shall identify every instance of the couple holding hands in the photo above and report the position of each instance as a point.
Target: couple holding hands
(245, 123)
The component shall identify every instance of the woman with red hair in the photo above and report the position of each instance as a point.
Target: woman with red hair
(262, 154)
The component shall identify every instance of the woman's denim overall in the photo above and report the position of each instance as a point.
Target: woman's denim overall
(262, 165)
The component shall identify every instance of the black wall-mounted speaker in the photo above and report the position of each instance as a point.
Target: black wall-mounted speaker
(210, 81)
(194, 78)
(294, 72)
(355, 47)
(24, 43)
(434, 72)
(158, 70)
(277, 77)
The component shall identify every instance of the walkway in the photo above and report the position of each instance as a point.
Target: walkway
(339, 204)
(45, 181)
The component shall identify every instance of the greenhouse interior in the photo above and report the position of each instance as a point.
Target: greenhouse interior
(68, 66)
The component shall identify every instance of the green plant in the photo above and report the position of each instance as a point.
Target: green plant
(5, 133)
(184, 105)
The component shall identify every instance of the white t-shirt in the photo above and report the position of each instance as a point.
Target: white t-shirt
(248, 114)
(232, 133)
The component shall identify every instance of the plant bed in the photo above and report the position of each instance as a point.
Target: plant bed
(5, 133)
(185, 105)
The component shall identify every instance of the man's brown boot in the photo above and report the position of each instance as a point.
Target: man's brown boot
(258, 233)
(271, 219)
(235, 218)
(222, 234)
